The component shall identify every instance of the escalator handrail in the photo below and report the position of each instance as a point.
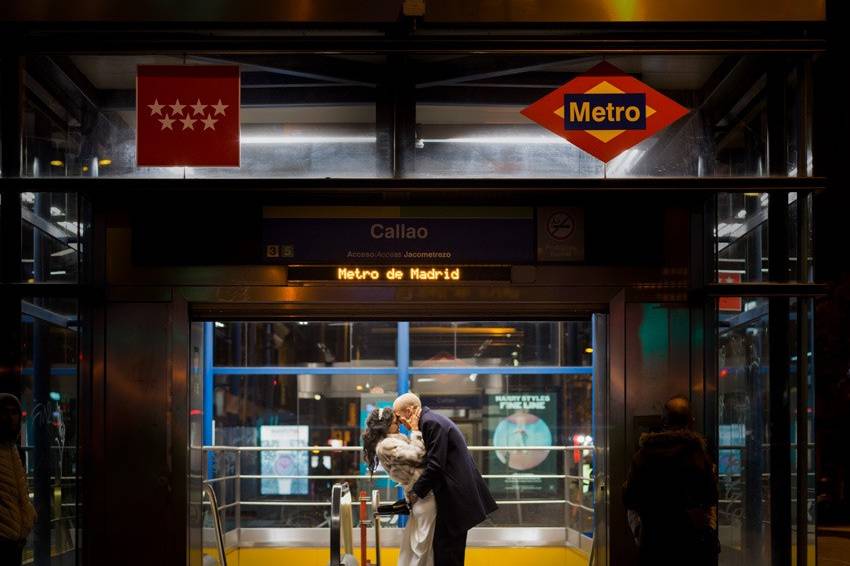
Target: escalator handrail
(216, 516)
(336, 507)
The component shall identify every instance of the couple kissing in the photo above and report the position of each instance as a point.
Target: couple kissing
(446, 493)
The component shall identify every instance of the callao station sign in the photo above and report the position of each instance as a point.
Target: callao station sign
(605, 111)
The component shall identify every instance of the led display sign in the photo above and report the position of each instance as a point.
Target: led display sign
(399, 274)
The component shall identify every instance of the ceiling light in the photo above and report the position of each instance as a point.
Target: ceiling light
(105, 162)
(588, 350)
(494, 140)
(303, 140)
(56, 163)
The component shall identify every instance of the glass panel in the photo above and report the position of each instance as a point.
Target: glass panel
(315, 344)
(301, 116)
(809, 236)
(522, 410)
(741, 237)
(792, 225)
(743, 417)
(469, 122)
(497, 344)
(50, 399)
(492, 409)
(52, 233)
(802, 372)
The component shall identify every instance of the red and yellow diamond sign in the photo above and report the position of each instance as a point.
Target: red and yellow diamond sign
(605, 111)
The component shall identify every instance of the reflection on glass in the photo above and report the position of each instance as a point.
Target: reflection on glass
(741, 237)
(459, 344)
(49, 395)
(471, 127)
(52, 235)
(306, 116)
(315, 344)
(744, 467)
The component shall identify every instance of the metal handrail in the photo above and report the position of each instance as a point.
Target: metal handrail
(336, 496)
(219, 532)
(360, 448)
(238, 477)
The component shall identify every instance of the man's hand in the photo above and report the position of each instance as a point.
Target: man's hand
(411, 421)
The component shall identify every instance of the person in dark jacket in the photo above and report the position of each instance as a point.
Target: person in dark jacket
(671, 493)
(463, 499)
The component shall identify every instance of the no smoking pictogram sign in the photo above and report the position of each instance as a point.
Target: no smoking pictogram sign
(560, 225)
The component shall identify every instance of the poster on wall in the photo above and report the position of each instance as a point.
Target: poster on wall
(517, 420)
(289, 463)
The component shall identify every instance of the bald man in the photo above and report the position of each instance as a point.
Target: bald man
(463, 499)
(671, 493)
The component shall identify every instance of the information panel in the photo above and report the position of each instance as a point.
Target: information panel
(393, 235)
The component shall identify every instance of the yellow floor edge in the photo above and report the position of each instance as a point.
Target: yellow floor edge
(536, 556)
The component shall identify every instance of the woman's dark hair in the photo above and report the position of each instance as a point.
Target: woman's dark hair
(377, 428)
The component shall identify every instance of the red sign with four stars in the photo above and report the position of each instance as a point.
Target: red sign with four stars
(187, 116)
(604, 111)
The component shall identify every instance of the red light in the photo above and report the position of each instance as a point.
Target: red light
(23, 414)
(195, 412)
(724, 372)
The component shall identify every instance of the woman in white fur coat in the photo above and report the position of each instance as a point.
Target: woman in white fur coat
(402, 457)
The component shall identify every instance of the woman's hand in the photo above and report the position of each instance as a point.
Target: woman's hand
(412, 421)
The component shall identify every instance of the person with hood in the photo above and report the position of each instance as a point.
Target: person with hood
(449, 472)
(671, 493)
(17, 514)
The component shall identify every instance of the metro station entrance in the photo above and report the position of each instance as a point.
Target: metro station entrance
(278, 408)
(398, 222)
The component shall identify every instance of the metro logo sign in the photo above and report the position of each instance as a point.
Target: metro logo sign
(604, 111)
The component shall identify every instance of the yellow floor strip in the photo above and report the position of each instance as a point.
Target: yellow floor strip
(545, 556)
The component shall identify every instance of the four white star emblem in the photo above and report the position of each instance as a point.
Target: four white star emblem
(188, 122)
(156, 107)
